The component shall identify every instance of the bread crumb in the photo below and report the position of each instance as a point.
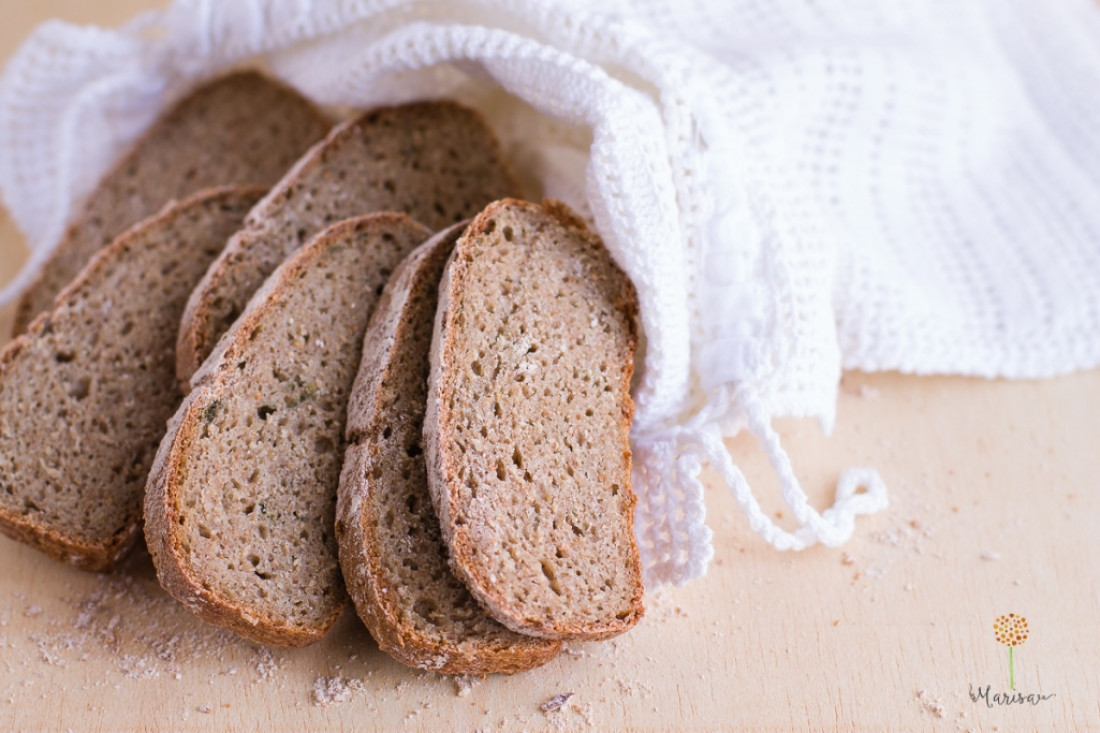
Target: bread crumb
(991, 556)
(327, 690)
(264, 662)
(846, 559)
(932, 705)
(555, 703)
(206, 709)
(573, 651)
(464, 684)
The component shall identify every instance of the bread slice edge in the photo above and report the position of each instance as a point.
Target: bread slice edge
(439, 470)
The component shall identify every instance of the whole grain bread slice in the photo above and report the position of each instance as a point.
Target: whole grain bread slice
(391, 552)
(241, 129)
(241, 501)
(438, 162)
(85, 393)
(528, 421)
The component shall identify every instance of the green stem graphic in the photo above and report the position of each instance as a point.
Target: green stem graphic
(1011, 671)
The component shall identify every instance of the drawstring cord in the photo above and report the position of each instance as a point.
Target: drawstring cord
(675, 456)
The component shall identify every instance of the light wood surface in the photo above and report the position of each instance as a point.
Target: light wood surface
(994, 510)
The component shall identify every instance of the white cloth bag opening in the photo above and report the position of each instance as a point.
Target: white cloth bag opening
(794, 188)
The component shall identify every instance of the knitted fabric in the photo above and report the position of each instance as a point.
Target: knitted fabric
(795, 188)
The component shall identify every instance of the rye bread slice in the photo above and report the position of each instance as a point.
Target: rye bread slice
(438, 162)
(242, 129)
(241, 501)
(85, 393)
(391, 552)
(528, 421)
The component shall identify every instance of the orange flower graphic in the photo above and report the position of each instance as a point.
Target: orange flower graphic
(1010, 630)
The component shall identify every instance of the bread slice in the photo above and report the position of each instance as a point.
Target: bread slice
(242, 129)
(528, 421)
(241, 501)
(435, 161)
(391, 552)
(85, 393)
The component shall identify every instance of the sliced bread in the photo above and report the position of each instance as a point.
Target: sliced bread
(392, 555)
(241, 501)
(85, 393)
(528, 420)
(242, 129)
(435, 161)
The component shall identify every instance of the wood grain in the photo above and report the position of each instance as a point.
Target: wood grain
(994, 509)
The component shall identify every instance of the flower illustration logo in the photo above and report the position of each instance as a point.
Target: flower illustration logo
(1010, 630)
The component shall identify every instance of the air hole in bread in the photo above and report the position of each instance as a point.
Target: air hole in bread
(79, 389)
(551, 575)
(426, 609)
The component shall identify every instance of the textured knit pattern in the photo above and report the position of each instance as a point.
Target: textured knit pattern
(793, 187)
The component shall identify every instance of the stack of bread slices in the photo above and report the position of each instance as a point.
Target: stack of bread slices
(315, 364)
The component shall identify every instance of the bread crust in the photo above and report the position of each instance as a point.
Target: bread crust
(104, 555)
(362, 546)
(39, 292)
(162, 516)
(443, 473)
(202, 324)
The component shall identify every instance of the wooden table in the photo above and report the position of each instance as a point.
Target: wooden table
(994, 510)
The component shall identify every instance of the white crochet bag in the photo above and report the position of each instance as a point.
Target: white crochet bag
(795, 188)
